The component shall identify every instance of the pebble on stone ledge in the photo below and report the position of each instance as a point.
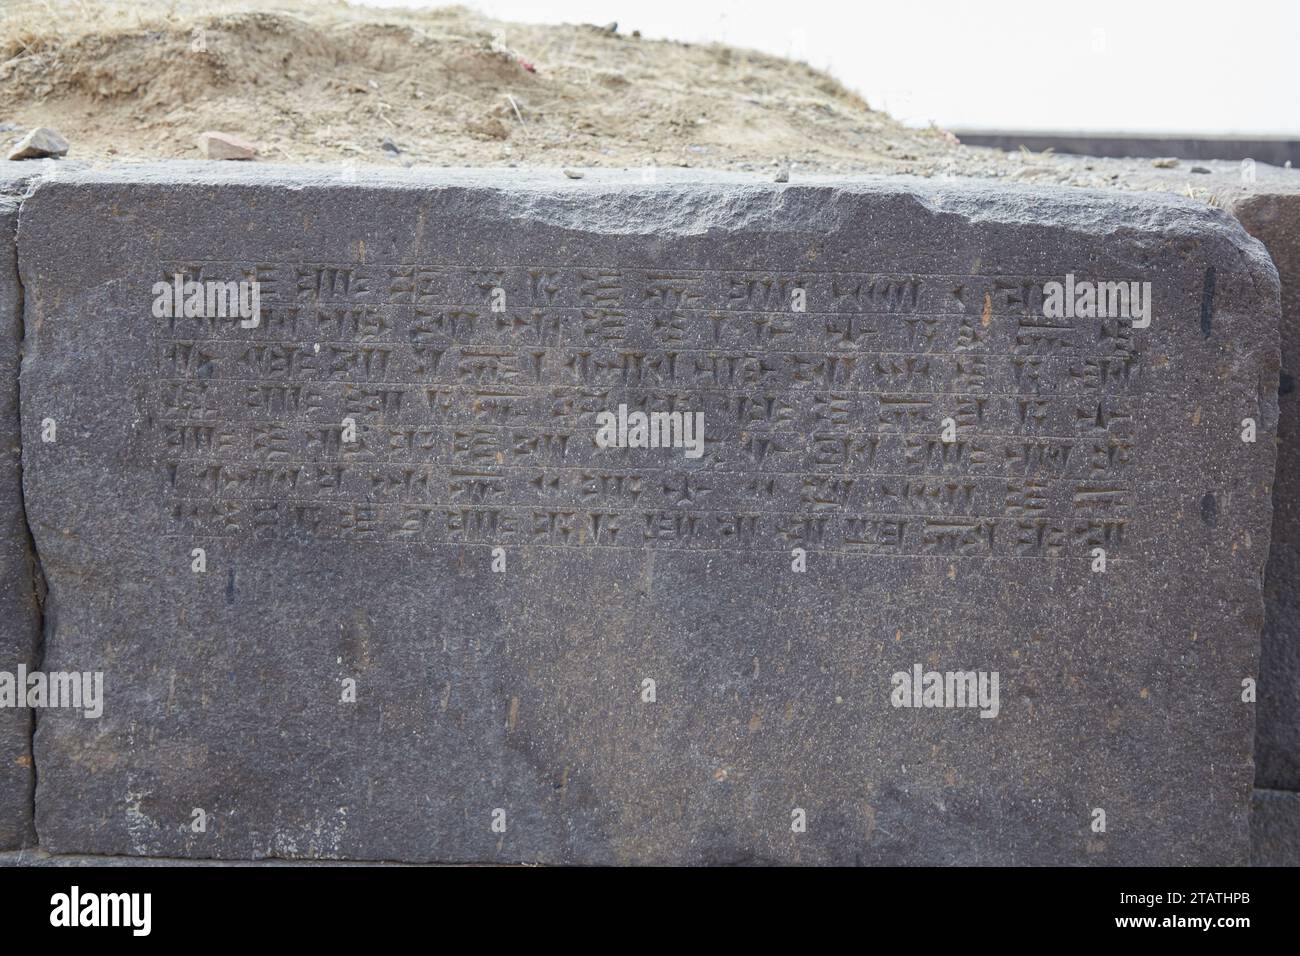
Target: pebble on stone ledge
(40, 143)
(217, 145)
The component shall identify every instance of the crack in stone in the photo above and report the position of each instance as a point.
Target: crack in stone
(38, 593)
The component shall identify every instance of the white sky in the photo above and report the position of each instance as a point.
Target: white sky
(1122, 65)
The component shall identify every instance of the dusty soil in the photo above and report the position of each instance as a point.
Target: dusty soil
(325, 82)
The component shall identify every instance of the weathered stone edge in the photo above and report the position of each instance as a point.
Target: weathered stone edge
(18, 831)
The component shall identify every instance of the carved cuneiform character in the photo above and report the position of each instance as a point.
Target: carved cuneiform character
(571, 339)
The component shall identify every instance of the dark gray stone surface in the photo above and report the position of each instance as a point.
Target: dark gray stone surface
(1269, 208)
(1267, 203)
(37, 857)
(520, 690)
(1272, 215)
(1275, 828)
(19, 614)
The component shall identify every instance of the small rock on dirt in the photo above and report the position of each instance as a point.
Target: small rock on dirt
(217, 145)
(40, 143)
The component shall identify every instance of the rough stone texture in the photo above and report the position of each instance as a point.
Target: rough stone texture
(1273, 217)
(1275, 828)
(37, 857)
(521, 690)
(1268, 206)
(19, 614)
(1271, 213)
(1193, 151)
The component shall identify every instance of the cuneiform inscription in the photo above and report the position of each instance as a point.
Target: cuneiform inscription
(667, 529)
(889, 414)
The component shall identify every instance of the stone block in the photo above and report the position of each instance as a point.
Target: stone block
(911, 465)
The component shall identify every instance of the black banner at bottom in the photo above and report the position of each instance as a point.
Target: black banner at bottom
(338, 903)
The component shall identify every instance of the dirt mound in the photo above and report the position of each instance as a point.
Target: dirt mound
(327, 82)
